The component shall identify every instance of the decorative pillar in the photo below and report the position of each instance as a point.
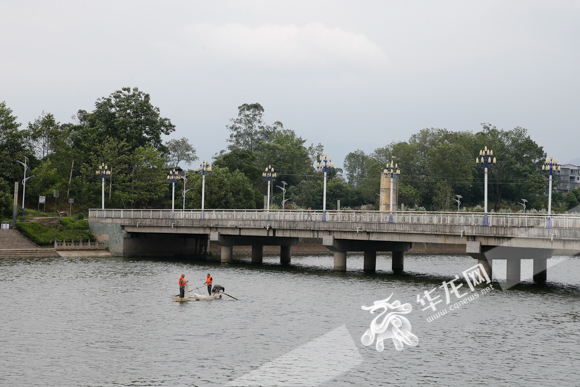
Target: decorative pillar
(226, 254)
(257, 253)
(340, 261)
(285, 254)
(398, 261)
(540, 270)
(370, 261)
(513, 271)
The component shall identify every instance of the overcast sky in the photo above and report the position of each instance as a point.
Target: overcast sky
(348, 74)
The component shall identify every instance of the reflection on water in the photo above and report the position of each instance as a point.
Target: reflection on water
(95, 322)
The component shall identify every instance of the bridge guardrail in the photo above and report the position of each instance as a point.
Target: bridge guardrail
(409, 217)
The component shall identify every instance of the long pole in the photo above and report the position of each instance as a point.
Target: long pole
(15, 206)
(24, 186)
(485, 188)
(173, 198)
(103, 199)
(324, 197)
(391, 202)
(268, 200)
(550, 193)
(202, 193)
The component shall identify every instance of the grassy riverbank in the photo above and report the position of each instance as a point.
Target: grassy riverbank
(44, 231)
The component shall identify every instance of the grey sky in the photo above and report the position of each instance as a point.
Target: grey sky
(348, 74)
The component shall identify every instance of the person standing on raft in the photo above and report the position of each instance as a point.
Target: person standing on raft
(208, 282)
(182, 283)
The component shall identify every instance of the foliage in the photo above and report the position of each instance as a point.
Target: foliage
(46, 235)
(248, 130)
(127, 115)
(178, 151)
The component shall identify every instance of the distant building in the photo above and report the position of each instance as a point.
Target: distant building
(569, 178)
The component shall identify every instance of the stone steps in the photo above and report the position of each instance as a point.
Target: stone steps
(15, 245)
(28, 253)
(12, 239)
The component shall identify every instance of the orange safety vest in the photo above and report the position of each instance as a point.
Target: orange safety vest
(208, 280)
(181, 281)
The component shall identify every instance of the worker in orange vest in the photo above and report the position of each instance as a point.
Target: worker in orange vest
(208, 282)
(182, 283)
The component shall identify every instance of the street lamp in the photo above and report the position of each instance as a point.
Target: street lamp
(25, 165)
(523, 203)
(485, 160)
(185, 191)
(172, 176)
(104, 172)
(325, 165)
(268, 174)
(393, 172)
(458, 200)
(549, 166)
(283, 193)
(203, 168)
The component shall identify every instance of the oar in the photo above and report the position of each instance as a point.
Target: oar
(230, 296)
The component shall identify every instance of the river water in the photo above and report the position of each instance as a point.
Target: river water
(111, 322)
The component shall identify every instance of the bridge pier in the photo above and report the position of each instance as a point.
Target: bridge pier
(370, 261)
(257, 254)
(540, 270)
(285, 255)
(513, 271)
(340, 261)
(226, 254)
(398, 261)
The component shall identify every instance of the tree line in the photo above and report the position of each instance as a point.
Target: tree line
(126, 132)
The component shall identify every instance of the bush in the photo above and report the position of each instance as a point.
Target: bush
(74, 225)
(80, 216)
(47, 235)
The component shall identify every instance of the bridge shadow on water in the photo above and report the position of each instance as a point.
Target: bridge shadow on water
(312, 268)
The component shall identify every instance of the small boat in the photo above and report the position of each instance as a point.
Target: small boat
(195, 296)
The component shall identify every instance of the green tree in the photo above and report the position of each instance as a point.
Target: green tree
(224, 189)
(180, 150)
(14, 145)
(356, 168)
(128, 115)
(249, 129)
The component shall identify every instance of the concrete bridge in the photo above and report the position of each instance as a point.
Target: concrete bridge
(509, 237)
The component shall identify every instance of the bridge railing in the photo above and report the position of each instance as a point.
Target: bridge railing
(351, 216)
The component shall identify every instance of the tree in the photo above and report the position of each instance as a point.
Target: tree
(451, 168)
(128, 115)
(248, 130)
(14, 144)
(180, 150)
(355, 165)
(224, 189)
(44, 132)
(241, 160)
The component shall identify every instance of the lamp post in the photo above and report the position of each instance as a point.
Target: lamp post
(283, 194)
(325, 165)
(203, 168)
(268, 174)
(185, 191)
(486, 161)
(523, 203)
(550, 165)
(25, 165)
(458, 200)
(393, 172)
(172, 176)
(104, 172)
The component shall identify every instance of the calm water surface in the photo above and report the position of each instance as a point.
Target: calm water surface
(110, 322)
